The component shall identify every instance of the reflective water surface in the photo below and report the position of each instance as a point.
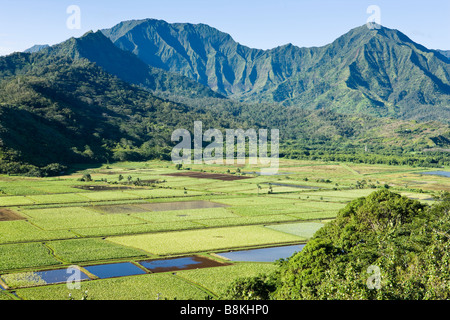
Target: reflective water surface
(263, 255)
(114, 270)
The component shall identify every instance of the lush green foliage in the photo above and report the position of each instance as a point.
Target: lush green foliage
(380, 72)
(148, 287)
(204, 239)
(405, 239)
(24, 279)
(64, 225)
(58, 110)
(250, 288)
(78, 250)
(218, 279)
(301, 229)
(16, 256)
(23, 231)
(87, 101)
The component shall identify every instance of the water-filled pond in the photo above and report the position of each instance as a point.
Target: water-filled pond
(114, 270)
(262, 255)
(184, 263)
(438, 173)
(59, 276)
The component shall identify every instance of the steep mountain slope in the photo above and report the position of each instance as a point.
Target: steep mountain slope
(200, 52)
(58, 110)
(203, 53)
(379, 72)
(445, 53)
(36, 48)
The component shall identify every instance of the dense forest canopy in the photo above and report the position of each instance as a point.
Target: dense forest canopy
(372, 71)
(89, 100)
(383, 246)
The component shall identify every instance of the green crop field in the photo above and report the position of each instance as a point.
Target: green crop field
(16, 256)
(183, 215)
(4, 296)
(136, 229)
(75, 217)
(15, 201)
(217, 279)
(50, 223)
(205, 239)
(247, 220)
(24, 231)
(148, 287)
(304, 229)
(80, 250)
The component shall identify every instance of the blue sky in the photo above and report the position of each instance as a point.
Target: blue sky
(255, 23)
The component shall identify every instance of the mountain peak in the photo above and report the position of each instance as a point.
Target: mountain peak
(95, 47)
(367, 70)
(365, 31)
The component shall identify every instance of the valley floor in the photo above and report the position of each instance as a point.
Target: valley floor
(146, 230)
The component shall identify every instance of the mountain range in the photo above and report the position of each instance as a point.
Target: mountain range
(117, 94)
(371, 71)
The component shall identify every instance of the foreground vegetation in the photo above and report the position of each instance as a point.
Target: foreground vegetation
(134, 211)
(383, 246)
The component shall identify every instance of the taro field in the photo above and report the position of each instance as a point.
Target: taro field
(149, 230)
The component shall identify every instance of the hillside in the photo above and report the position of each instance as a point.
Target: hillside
(36, 48)
(86, 100)
(57, 110)
(100, 50)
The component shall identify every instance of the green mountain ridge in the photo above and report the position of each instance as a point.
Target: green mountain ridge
(379, 72)
(36, 48)
(86, 100)
(98, 49)
(56, 110)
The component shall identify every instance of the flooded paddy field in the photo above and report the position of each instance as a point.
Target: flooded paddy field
(40, 278)
(183, 263)
(438, 173)
(262, 255)
(114, 270)
(59, 276)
